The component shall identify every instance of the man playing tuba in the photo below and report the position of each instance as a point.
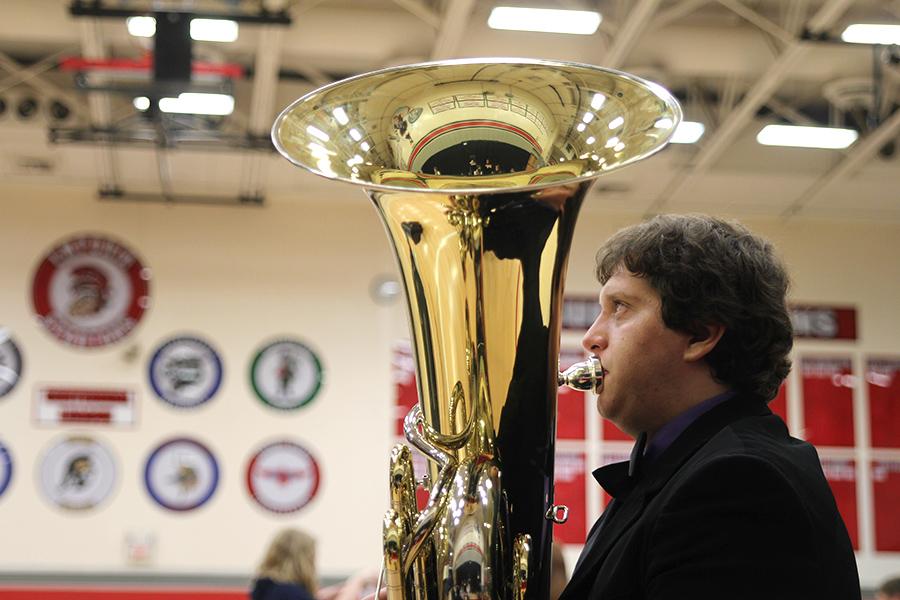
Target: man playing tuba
(717, 499)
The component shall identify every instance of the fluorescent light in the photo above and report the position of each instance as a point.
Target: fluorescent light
(617, 122)
(319, 151)
(141, 102)
(581, 127)
(341, 115)
(588, 117)
(198, 104)
(871, 33)
(580, 22)
(315, 131)
(590, 140)
(141, 26)
(202, 30)
(597, 101)
(806, 137)
(214, 30)
(687, 132)
(355, 134)
(365, 146)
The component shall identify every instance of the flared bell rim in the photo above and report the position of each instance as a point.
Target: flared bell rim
(656, 89)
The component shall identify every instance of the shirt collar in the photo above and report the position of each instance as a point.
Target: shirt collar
(669, 432)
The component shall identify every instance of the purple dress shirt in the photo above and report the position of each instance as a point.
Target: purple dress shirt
(669, 432)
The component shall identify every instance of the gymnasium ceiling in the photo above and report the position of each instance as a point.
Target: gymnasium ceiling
(737, 65)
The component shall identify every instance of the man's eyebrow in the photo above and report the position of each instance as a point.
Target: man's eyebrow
(621, 295)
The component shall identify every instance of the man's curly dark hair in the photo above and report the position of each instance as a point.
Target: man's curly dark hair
(709, 271)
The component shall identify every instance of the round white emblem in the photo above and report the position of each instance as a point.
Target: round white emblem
(90, 291)
(181, 474)
(185, 372)
(283, 477)
(10, 362)
(286, 374)
(78, 473)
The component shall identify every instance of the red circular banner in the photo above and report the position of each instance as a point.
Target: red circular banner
(90, 291)
(283, 477)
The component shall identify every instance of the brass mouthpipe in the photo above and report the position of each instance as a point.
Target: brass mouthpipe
(585, 376)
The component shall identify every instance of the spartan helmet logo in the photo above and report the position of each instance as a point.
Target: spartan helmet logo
(90, 291)
(78, 473)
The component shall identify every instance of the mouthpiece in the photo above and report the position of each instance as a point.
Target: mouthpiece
(584, 376)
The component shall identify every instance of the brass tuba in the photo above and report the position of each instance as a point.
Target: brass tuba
(478, 169)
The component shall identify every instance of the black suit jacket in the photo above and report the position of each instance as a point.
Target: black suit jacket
(734, 509)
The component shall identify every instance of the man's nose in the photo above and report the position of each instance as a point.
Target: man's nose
(594, 339)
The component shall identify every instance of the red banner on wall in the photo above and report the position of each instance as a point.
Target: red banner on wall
(883, 383)
(778, 405)
(579, 312)
(570, 404)
(828, 401)
(886, 487)
(406, 393)
(609, 431)
(569, 490)
(824, 322)
(71, 405)
(809, 320)
(841, 476)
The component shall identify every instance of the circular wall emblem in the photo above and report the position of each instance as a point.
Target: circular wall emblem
(286, 374)
(283, 477)
(6, 468)
(90, 291)
(185, 372)
(181, 474)
(78, 473)
(10, 363)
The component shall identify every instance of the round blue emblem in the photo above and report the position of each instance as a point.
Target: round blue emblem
(185, 372)
(6, 468)
(181, 474)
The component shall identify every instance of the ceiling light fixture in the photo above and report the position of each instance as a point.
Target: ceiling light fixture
(198, 104)
(214, 30)
(687, 132)
(798, 136)
(545, 20)
(141, 26)
(202, 30)
(871, 33)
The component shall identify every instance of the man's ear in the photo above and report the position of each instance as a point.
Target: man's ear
(703, 341)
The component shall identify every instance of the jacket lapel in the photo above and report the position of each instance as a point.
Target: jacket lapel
(658, 473)
(628, 510)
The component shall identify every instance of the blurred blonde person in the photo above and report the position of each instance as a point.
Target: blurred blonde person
(288, 570)
(889, 590)
(558, 576)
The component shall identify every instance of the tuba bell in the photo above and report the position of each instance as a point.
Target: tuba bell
(477, 169)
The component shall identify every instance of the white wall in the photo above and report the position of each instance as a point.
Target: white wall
(302, 266)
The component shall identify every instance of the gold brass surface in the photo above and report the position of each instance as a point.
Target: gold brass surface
(478, 169)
